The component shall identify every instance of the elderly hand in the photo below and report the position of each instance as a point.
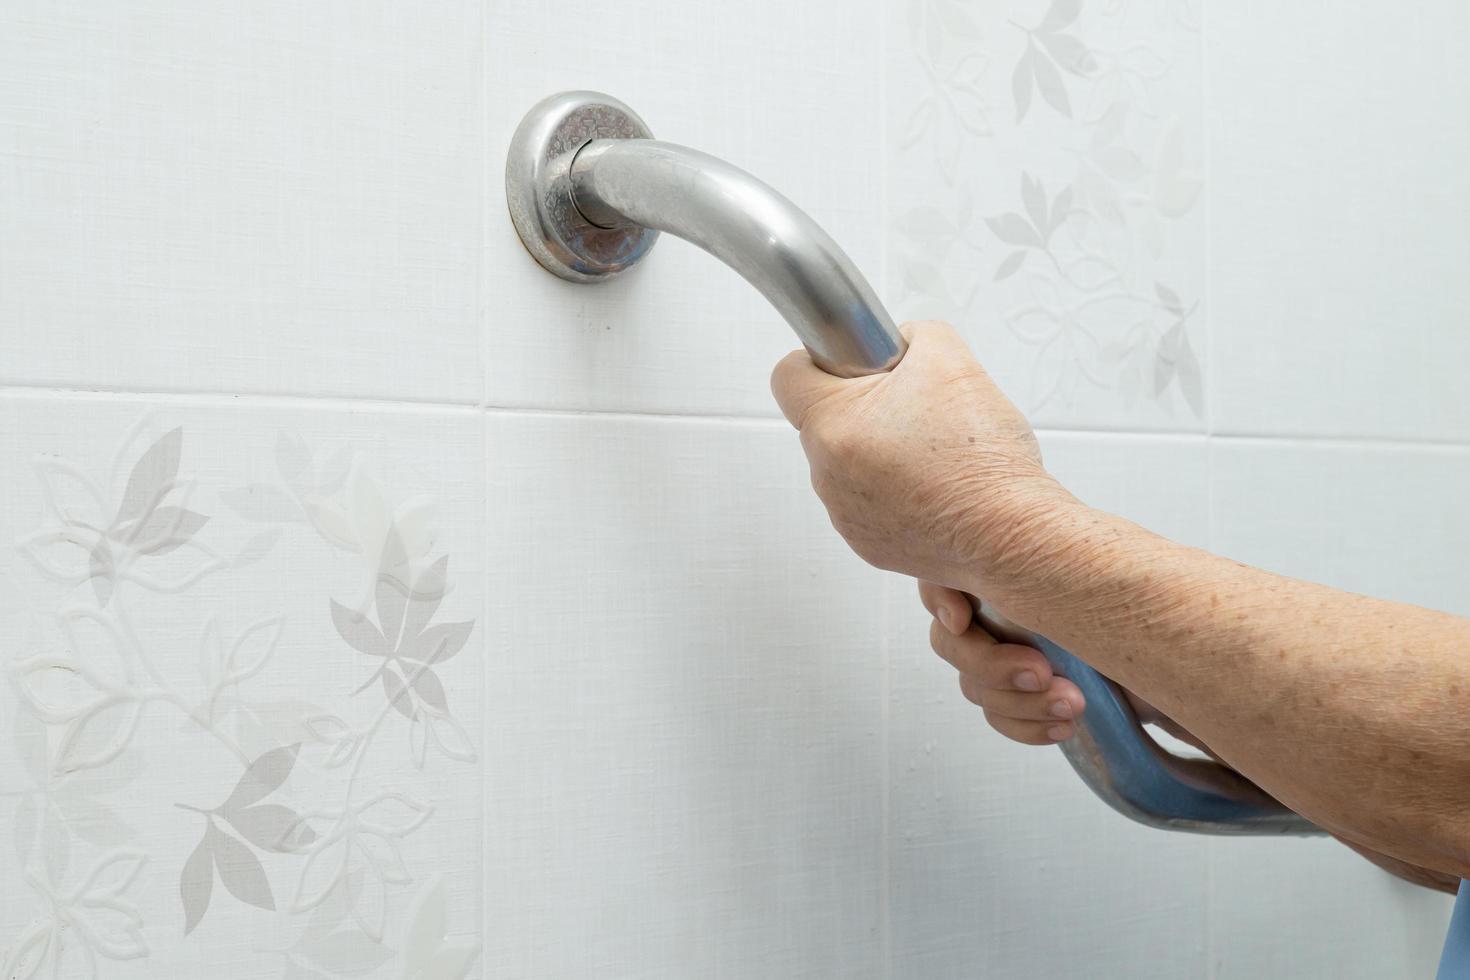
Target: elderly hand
(928, 469)
(1012, 683)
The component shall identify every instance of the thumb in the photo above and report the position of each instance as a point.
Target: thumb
(799, 385)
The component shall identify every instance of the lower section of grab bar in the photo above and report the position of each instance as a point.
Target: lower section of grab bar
(1136, 776)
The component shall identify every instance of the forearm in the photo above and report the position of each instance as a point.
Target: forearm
(1352, 711)
(1411, 873)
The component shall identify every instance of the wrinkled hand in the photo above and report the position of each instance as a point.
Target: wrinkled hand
(927, 470)
(1022, 698)
(1014, 684)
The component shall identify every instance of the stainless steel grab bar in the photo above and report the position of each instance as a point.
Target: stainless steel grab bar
(589, 189)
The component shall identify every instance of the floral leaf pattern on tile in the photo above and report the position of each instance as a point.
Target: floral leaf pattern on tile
(94, 920)
(1086, 91)
(85, 543)
(269, 826)
(411, 647)
(97, 708)
(86, 685)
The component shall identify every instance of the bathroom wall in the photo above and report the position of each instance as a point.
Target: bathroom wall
(374, 604)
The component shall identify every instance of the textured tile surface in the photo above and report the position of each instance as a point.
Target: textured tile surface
(1388, 521)
(1312, 908)
(683, 772)
(1340, 220)
(276, 198)
(1044, 192)
(192, 597)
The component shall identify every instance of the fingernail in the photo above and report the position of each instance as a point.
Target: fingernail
(944, 618)
(1061, 709)
(1027, 680)
(1057, 733)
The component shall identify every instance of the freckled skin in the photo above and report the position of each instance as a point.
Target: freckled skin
(1333, 703)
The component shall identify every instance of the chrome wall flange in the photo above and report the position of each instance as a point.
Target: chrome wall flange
(538, 187)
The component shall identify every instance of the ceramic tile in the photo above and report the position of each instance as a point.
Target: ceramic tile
(684, 751)
(786, 91)
(214, 762)
(1384, 521)
(1043, 187)
(1003, 864)
(1340, 220)
(1314, 909)
(279, 198)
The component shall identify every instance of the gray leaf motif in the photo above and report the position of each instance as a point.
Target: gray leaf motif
(262, 777)
(1021, 81)
(151, 474)
(100, 570)
(1049, 82)
(238, 868)
(241, 872)
(397, 694)
(1070, 53)
(428, 591)
(391, 597)
(1061, 209)
(1175, 360)
(1012, 263)
(163, 530)
(270, 826)
(197, 882)
(426, 685)
(1013, 229)
(359, 631)
(1169, 298)
(405, 639)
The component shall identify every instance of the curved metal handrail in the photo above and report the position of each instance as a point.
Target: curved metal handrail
(589, 189)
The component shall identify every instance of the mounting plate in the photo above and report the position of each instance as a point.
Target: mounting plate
(539, 194)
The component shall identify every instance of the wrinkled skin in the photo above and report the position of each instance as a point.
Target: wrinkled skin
(931, 471)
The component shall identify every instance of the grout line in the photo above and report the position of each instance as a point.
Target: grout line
(1211, 434)
(1340, 442)
(387, 405)
(1210, 415)
(485, 503)
(255, 400)
(885, 939)
(487, 187)
(486, 827)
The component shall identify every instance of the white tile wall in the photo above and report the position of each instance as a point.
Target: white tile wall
(684, 774)
(189, 657)
(1340, 220)
(280, 198)
(1312, 908)
(707, 741)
